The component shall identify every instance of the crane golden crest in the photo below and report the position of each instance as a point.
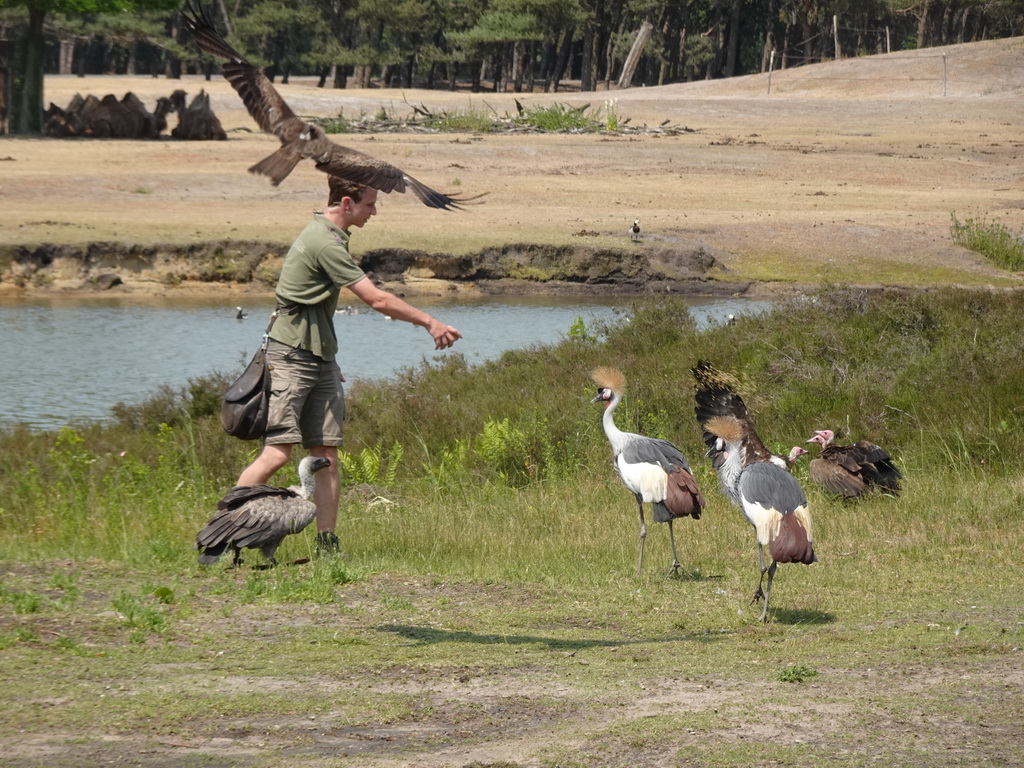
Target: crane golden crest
(301, 139)
(609, 378)
(728, 428)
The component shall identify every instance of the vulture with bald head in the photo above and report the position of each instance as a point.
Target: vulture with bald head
(260, 516)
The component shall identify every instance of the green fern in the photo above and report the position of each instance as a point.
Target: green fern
(369, 465)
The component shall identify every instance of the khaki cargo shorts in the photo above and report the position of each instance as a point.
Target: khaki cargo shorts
(307, 399)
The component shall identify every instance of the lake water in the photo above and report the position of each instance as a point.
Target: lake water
(64, 361)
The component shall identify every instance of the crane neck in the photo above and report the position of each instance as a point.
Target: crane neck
(614, 434)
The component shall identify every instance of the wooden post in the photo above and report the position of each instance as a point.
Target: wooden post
(835, 36)
(626, 78)
(888, 43)
(771, 66)
(943, 74)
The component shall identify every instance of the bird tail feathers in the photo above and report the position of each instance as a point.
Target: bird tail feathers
(792, 544)
(682, 498)
(434, 199)
(278, 165)
(211, 555)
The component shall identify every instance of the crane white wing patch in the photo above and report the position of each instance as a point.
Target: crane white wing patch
(648, 480)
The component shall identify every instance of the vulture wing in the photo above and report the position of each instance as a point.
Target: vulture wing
(299, 138)
(241, 494)
(877, 466)
(832, 475)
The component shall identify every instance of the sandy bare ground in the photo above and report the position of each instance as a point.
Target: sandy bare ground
(848, 171)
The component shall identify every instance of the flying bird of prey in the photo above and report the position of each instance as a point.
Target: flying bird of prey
(301, 139)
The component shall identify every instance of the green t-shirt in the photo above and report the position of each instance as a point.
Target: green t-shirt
(317, 267)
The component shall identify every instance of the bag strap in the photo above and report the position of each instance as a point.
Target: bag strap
(266, 333)
(288, 309)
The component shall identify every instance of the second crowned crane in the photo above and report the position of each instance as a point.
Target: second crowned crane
(654, 470)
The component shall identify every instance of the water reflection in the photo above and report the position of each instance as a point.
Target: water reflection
(69, 361)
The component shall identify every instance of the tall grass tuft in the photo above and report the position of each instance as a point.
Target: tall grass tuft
(560, 117)
(991, 239)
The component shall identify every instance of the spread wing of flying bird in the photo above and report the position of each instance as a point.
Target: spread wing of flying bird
(301, 139)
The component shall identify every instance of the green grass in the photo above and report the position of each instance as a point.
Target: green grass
(991, 239)
(469, 120)
(488, 593)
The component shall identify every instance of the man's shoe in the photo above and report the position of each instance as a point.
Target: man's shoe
(326, 543)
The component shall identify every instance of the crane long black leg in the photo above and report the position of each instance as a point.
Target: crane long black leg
(758, 594)
(676, 565)
(643, 535)
(768, 588)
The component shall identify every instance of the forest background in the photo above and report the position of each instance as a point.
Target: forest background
(501, 45)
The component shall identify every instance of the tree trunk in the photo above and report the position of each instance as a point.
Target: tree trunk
(130, 67)
(766, 54)
(66, 56)
(531, 50)
(733, 42)
(26, 89)
(714, 68)
(517, 66)
(642, 36)
(587, 64)
(922, 24)
(563, 59)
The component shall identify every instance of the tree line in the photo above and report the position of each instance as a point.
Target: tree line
(501, 45)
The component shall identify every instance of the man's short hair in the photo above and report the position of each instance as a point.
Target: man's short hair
(339, 188)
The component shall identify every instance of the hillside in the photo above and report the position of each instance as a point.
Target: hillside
(846, 171)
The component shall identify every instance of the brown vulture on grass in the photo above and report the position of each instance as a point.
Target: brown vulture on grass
(260, 516)
(852, 470)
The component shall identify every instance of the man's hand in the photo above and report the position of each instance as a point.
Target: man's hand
(444, 335)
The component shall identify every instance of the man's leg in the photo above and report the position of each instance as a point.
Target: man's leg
(271, 459)
(328, 488)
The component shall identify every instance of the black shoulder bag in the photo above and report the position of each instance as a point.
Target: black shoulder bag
(246, 404)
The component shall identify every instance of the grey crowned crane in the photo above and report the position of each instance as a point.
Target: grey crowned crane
(755, 479)
(301, 139)
(654, 470)
(852, 470)
(775, 505)
(634, 231)
(260, 516)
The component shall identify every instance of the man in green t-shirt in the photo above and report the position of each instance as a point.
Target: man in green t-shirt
(307, 402)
